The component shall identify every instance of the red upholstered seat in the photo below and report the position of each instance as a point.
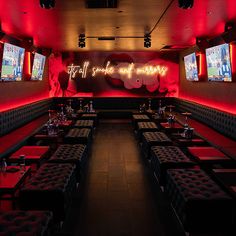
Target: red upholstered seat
(206, 151)
(208, 154)
(31, 152)
(14, 139)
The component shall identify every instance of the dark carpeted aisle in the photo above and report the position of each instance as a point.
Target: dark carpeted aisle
(119, 196)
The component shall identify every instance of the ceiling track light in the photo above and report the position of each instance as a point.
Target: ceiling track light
(47, 4)
(81, 43)
(147, 40)
(186, 4)
(106, 38)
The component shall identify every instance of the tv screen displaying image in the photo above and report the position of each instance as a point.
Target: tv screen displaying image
(38, 67)
(218, 63)
(191, 71)
(12, 62)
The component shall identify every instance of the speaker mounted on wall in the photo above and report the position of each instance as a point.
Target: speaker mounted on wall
(186, 4)
(229, 34)
(202, 43)
(27, 43)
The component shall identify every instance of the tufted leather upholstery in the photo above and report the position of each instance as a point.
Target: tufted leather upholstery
(84, 124)
(25, 223)
(50, 189)
(153, 138)
(139, 118)
(70, 153)
(221, 121)
(145, 127)
(198, 201)
(156, 137)
(90, 116)
(14, 118)
(76, 154)
(166, 157)
(78, 135)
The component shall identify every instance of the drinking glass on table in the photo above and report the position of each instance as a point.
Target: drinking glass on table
(22, 163)
(186, 114)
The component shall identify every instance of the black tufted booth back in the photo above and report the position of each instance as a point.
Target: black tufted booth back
(113, 103)
(14, 118)
(221, 121)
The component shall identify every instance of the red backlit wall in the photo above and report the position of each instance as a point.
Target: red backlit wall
(112, 85)
(15, 94)
(219, 95)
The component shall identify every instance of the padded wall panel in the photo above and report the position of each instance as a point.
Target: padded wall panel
(113, 103)
(222, 122)
(14, 118)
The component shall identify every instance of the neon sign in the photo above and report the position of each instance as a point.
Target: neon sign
(129, 69)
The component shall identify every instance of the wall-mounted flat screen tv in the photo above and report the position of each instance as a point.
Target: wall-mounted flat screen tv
(218, 63)
(12, 62)
(38, 67)
(190, 64)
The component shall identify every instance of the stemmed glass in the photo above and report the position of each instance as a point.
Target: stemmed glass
(61, 115)
(50, 114)
(171, 118)
(186, 114)
(149, 105)
(171, 107)
(80, 105)
(69, 108)
(50, 123)
(91, 106)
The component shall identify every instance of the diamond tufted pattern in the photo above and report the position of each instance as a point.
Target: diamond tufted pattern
(140, 117)
(153, 138)
(90, 116)
(199, 202)
(221, 121)
(51, 177)
(50, 189)
(14, 118)
(76, 154)
(24, 223)
(93, 116)
(157, 137)
(166, 157)
(147, 126)
(84, 123)
(79, 135)
(70, 152)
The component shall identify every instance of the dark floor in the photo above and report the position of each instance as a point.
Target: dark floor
(118, 195)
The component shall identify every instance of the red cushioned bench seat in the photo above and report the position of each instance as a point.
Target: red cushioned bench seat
(15, 139)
